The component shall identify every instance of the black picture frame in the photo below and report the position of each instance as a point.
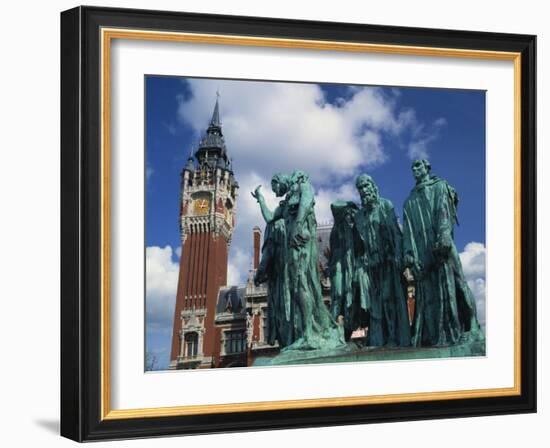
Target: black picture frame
(81, 381)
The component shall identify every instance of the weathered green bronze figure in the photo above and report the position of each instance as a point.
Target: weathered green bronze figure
(341, 267)
(379, 301)
(273, 265)
(289, 264)
(445, 311)
(379, 252)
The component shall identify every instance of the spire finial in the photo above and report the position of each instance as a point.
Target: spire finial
(216, 115)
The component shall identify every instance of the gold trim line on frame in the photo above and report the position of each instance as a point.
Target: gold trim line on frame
(355, 47)
(517, 222)
(107, 34)
(304, 404)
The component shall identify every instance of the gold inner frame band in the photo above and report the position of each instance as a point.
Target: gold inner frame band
(107, 35)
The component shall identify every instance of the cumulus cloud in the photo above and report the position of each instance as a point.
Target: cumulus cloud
(473, 265)
(285, 125)
(161, 282)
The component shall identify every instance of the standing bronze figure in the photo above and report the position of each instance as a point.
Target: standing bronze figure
(290, 267)
(377, 290)
(445, 311)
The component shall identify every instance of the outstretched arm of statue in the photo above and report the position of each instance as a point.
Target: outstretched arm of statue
(268, 215)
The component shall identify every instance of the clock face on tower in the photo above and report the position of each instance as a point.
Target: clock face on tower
(201, 206)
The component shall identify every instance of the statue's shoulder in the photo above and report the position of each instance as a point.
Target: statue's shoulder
(340, 209)
(439, 183)
(386, 204)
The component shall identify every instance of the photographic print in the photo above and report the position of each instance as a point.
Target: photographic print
(308, 223)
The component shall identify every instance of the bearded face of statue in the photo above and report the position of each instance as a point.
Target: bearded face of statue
(420, 171)
(368, 192)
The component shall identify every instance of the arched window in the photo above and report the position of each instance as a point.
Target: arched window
(191, 344)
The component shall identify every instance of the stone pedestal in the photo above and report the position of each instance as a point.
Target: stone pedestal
(354, 353)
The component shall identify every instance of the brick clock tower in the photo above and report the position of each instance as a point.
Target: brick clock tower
(207, 218)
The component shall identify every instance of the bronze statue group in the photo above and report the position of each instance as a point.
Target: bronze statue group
(368, 258)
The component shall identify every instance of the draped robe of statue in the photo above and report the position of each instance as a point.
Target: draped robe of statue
(445, 310)
(273, 267)
(341, 266)
(379, 280)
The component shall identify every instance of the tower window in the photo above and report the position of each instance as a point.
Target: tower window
(191, 344)
(235, 341)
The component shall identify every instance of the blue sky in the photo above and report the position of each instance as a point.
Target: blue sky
(333, 132)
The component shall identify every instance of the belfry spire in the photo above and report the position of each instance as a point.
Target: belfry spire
(215, 121)
(212, 145)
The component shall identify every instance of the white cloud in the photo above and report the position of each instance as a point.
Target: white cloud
(473, 260)
(473, 265)
(161, 282)
(273, 126)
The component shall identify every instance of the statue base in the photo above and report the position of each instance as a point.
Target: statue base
(353, 352)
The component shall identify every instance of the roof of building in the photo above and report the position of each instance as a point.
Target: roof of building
(211, 152)
(231, 299)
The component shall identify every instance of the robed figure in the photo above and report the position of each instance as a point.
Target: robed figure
(378, 251)
(289, 265)
(273, 267)
(378, 300)
(445, 311)
(341, 268)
